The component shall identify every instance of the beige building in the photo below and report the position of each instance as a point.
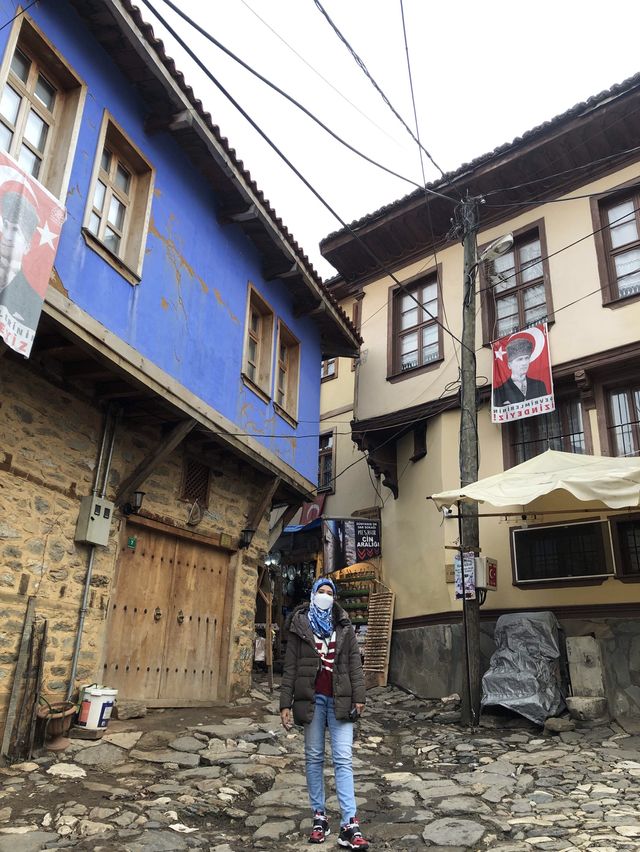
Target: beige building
(569, 193)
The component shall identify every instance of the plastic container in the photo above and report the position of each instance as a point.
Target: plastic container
(96, 704)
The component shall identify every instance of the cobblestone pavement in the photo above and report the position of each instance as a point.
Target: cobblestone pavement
(230, 779)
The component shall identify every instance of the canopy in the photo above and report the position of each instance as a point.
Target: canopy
(615, 482)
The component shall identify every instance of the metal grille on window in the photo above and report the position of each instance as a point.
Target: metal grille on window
(562, 429)
(196, 482)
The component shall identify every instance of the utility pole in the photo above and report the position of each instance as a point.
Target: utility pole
(470, 538)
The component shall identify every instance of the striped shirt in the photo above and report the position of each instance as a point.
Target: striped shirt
(326, 648)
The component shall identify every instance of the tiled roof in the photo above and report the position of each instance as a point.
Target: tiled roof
(442, 183)
(157, 45)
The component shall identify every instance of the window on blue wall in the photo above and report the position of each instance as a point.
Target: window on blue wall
(119, 204)
(40, 104)
(287, 373)
(258, 345)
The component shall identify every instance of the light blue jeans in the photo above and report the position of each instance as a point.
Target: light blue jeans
(341, 735)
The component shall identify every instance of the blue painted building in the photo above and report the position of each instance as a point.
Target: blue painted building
(184, 328)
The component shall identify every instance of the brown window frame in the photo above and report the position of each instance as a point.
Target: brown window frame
(328, 452)
(325, 376)
(129, 257)
(604, 250)
(521, 236)
(395, 334)
(63, 120)
(188, 461)
(562, 397)
(631, 386)
(260, 383)
(285, 399)
(606, 557)
(624, 572)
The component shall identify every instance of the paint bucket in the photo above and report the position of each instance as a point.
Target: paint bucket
(95, 707)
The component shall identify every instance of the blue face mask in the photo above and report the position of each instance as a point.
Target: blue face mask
(322, 600)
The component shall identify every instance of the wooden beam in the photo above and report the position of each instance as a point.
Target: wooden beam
(156, 457)
(17, 685)
(253, 522)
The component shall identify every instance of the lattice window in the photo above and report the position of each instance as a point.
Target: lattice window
(195, 484)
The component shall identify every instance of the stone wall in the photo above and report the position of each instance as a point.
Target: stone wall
(429, 660)
(49, 445)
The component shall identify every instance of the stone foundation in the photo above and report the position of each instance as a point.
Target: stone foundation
(429, 660)
(49, 446)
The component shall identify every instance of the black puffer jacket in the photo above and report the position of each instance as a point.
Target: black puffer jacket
(302, 664)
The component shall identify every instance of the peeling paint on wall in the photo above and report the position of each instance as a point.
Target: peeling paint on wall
(164, 304)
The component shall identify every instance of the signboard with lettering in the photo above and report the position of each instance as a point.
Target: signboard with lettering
(347, 541)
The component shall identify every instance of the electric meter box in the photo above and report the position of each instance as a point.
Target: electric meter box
(94, 520)
(486, 573)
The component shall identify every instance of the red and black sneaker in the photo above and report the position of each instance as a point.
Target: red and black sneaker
(351, 836)
(320, 828)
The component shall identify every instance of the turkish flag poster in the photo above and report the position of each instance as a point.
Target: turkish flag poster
(30, 223)
(522, 385)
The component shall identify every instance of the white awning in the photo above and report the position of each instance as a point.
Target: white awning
(614, 482)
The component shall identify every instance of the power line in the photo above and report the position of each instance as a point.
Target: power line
(318, 74)
(365, 70)
(575, 169)
(286, 95)
(293, 168)
(17, 15)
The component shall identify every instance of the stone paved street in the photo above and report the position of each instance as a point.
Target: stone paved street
(229, 779)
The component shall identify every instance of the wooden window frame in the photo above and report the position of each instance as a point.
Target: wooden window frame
(604, 250)
(582, 580)
(261, 386)
(394, 373)
(328, 377)
(130, 257)
(628, 386)
(71, 93)
(620, 558)
(329, 489)
(189, 459)
(562, 396)
(533, 230)
(288, 409)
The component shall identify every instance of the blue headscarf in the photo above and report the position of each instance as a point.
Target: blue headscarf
(321, 620)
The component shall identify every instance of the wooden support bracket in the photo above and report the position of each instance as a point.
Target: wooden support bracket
(153, 459)
(253, 521)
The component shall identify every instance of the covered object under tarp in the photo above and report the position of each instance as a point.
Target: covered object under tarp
(612, 482)
(524, 672)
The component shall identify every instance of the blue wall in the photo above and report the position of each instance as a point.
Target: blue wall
(187, 314)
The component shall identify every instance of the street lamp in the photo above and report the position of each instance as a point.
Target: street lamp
(467, 228)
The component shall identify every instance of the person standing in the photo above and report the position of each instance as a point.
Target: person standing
(323, 687)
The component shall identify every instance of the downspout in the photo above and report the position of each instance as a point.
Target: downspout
(111, 422)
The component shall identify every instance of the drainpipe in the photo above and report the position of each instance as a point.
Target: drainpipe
(110, 425)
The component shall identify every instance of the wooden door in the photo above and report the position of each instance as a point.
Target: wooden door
(166, 620)
(194, 624)
(138, 615)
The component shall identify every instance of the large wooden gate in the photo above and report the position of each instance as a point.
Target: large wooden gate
(165, 642)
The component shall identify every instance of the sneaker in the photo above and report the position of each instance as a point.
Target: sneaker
(320, 828)
(351, 836)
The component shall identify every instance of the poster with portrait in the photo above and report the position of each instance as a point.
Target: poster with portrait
(349, 540)
(30, 223)
(521, 383)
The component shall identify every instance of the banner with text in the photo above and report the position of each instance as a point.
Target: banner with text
(30, 223)
(521, 383)
(349, 540)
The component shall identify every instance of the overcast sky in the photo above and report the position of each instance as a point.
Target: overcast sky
(483, 73)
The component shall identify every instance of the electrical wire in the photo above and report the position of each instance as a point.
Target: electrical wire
(424, 178)
(17, 15)
(293, 168)
(285, 95)
(318, 74)
(365, 70)
(575, 169)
